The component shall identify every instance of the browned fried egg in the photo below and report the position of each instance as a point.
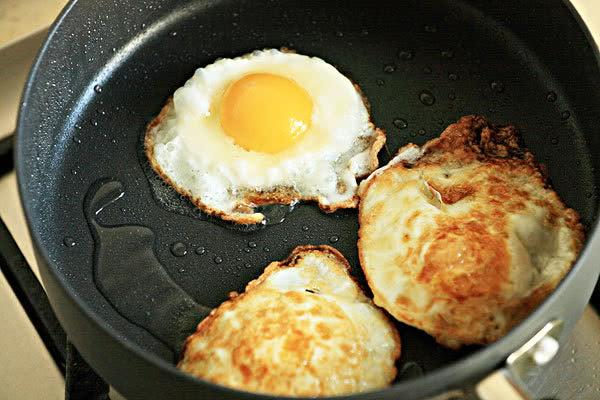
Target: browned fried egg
(463, 237)
(303, 328)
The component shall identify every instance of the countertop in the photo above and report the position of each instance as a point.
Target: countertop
(26, 370)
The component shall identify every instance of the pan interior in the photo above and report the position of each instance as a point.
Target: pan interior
(463, 62)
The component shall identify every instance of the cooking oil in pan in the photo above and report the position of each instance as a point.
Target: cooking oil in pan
(275, 213)
(178, 249)
(129, 275)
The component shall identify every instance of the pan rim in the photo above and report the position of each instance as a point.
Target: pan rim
(450, 376)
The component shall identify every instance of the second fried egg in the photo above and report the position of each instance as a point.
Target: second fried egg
(271, 127)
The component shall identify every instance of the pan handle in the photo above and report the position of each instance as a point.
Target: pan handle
(509, 382)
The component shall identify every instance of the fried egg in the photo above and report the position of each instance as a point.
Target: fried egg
(463, 237)
(270, 127)
(303, 328)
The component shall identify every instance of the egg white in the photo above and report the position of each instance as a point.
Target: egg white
(190, 147)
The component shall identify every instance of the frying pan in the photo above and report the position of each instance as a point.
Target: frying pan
(130, 267)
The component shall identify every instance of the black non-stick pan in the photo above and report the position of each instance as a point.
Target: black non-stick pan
(130, 267)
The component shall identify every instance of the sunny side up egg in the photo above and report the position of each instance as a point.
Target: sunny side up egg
(270, 127)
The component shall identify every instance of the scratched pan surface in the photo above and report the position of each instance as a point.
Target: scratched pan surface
(131, 267)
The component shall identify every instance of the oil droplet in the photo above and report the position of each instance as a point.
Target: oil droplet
(69, 241)
(248, 265)
(422, 132)
(305, 228)
(389, 68)
(380, 82)
(339, 34)
(427, 98)
(174, 33)
(430, 28)
(266, 249)
(447, 54)
(252, 245)
(400, 123)
(74, 171)
(178, 249)
(101, 112)
(98, 89)
(217, 260)
(452, 76)
(497, 87)
(452, 95)
(76, 139)
(334, 239)
(551, 97)
(554, 141)
(565, 115)
(276, 213)
(200, 250)
(364, 32)
(93, 122)
(181, 270)
(247, 250)
(405, 55)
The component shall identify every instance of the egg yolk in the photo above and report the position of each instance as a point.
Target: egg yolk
(265, 113)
